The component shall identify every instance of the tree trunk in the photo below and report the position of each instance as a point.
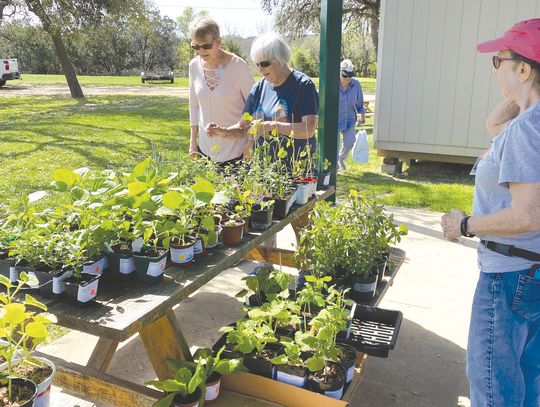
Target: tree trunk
(67, 66)
(375, 34)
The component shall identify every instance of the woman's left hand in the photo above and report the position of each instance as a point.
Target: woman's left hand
(450, 223)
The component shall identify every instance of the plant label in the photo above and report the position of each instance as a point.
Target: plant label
(127, 266)
(137, 245)
(158, 268)
(58, 285)
(87, 292)
(326, 180)
(13, 274)
(365, 288)
(104, 263)
(108, 247)
(182, 256)
(212, 391)
(198, 247)
(95, 268)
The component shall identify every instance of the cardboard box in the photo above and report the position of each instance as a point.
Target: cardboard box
(285, 394)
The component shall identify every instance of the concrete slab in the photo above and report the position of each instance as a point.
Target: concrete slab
(433, 289)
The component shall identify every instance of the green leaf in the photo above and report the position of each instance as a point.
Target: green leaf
(79, 194)
(137, 187)
(173, 199)
(36, 330)
(314, 364)
(140, 168)
(29, 300)
(15, 313)
(204, 190)
(280, 360)
(65, 178)
(165, 401)
(5, 281)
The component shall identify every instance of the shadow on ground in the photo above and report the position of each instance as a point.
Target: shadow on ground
(425, 370)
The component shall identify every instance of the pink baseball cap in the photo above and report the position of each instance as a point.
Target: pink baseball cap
(523, 38)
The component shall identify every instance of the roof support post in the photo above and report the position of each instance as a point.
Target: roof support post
(330, 55)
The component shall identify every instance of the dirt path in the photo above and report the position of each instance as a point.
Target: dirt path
(10, 90)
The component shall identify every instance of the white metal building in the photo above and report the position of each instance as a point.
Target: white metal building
(434, 91)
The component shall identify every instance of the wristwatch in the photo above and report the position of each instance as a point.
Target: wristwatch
(463, 227)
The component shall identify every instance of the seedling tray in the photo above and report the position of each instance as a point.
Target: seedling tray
(374, 331)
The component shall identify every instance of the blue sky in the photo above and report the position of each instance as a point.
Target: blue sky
(241, 17)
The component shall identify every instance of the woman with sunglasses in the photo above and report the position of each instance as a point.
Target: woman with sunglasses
(219, 83)
(503, 352)
(285, 100)
(351, 103)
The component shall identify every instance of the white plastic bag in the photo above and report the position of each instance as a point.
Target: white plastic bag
(360, 152)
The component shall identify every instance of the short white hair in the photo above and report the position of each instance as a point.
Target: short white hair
(272, 47)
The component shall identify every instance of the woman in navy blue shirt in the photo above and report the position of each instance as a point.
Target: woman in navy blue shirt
(285, 100)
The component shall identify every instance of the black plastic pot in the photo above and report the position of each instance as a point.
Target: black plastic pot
(51, 283)
(226, 354)
(329, 386)
(190, 401)
(150, 269)
(121, 266)
(381, 267)
(283, 206)
(263, 367)
(261, 219)
(19, 382)
(82, 290)
(347, 360)
(293, 375)
(364, 288)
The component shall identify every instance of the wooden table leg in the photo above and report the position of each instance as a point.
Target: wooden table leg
(300, 223)
(102, 355)
(163, 338)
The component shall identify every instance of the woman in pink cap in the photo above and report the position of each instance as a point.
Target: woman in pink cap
(503, 353)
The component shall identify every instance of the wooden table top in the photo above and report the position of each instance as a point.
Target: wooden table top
(120, 312)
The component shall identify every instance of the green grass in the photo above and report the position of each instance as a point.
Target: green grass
(427, 185)
(38, 80)
(368, 84)
(41, 133)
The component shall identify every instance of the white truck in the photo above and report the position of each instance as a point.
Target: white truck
(9, 69)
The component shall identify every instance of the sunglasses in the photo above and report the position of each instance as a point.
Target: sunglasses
(203, 46)
(263, 64)
(496, 60)
(345, 76)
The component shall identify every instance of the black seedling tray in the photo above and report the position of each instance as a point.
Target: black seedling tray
(373, 330)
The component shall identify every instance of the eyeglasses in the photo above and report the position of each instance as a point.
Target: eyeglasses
(496, 60)
(197, 47)
(263, 64)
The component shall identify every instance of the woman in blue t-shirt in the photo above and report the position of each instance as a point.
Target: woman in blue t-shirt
(285, 100)
(503, 352)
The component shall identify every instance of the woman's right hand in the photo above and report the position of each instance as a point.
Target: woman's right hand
(213, 130)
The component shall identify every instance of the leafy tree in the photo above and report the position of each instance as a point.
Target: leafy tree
(303, 60)
(61, 17)
(296, 17)
(184, 53)
(229, 44)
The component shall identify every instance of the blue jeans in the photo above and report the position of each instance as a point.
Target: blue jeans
(349, 137)
(503, 353)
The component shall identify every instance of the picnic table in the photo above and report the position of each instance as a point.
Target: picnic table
(147, 310)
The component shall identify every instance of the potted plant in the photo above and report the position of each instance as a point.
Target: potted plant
(323, 177)
(213, 368)
(265, 284)
(291, 364)
(232, 231)
(254, 338)
(261, 214)
(183, 389)
(22, 331)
